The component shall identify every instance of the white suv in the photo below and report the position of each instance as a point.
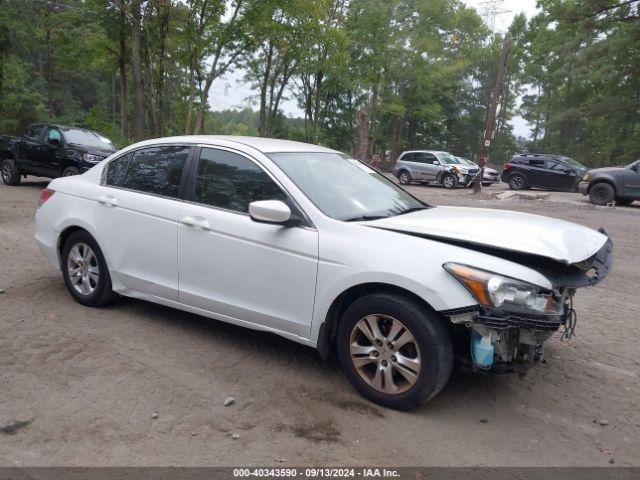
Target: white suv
(310, 244)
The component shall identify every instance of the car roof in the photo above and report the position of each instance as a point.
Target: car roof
(262, 144)
(540, 155)
(423, 151)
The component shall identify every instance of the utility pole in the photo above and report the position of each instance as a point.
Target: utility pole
(491, 117)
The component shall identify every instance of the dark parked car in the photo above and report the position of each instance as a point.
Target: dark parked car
(48, 150)
(553, 172)
(604, 185)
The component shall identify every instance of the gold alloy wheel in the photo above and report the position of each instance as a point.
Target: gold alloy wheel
(385, 354)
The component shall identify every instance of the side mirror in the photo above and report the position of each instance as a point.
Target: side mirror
(53, 141)
(270, 211)
(436, 162)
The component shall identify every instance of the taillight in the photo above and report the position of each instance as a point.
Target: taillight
(45, 195)
(507, 166)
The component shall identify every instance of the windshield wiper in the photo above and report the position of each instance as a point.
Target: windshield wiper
(362, 218)
(412, 209)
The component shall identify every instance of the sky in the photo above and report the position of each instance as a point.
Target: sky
(231, 91)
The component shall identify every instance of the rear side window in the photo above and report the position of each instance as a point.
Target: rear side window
(534, 162)
(35, 131)
(230, 181)
(157, 170)
(408, 157)
(116, 170)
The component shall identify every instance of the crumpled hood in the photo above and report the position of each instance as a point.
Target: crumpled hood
(558, 240)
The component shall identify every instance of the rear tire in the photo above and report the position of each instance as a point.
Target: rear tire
(517, 182)
(85, 271)
(404, 177)
(449, 181)
(412, 359)
(70, 172)
(602, 194)
(10, 173)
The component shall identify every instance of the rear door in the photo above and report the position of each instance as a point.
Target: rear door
(421, 166)
(535, 171)
(31, 149)
(137, 211)
(241, 270)
(408, 160)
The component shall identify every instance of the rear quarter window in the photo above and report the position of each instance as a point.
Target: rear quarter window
(116, 170)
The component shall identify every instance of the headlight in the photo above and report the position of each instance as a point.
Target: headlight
(585, 178)
(87, 157)
(498, 292)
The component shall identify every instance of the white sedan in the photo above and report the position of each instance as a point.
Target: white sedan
(308, 243)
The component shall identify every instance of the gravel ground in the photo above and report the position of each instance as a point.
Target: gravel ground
(140, 384)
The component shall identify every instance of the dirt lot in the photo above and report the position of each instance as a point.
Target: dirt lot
(80, 386)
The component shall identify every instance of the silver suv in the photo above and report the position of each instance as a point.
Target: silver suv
(425, 166)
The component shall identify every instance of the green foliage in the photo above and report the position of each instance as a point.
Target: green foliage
(421, 72)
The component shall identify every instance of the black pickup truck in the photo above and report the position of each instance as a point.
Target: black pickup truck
(49, 150)
(619, 184)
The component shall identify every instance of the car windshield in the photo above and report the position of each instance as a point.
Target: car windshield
(448, 159)
(344, 188)
(575, 164)
(87, 138)
(466, 162)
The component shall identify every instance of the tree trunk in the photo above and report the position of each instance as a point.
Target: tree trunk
(362, 127)
(192, 89)
(160, 94)
(136, 67)
(122, 64)
(396, 130)
(48, 62)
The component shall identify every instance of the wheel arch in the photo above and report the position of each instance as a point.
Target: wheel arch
(603, 180)
(327, 333)
(65, 234)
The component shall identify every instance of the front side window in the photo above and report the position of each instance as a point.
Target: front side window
(430, 158)
(157, 170)
(230, 181)
(53, 135)
(344, 188)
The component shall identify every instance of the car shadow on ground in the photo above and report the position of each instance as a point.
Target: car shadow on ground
(462, 389)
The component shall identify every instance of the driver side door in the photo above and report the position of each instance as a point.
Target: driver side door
(240, 270)
(632, 181)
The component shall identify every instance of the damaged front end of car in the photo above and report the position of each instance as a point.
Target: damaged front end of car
(513, 319)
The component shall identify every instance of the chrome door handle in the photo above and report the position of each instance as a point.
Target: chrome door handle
(198, 222)
(108, 200)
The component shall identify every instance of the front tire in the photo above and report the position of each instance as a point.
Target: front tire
(449, 181)
(394, 351)
(404, 177)
(85, 271)
(10, 173)
(602, 194)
